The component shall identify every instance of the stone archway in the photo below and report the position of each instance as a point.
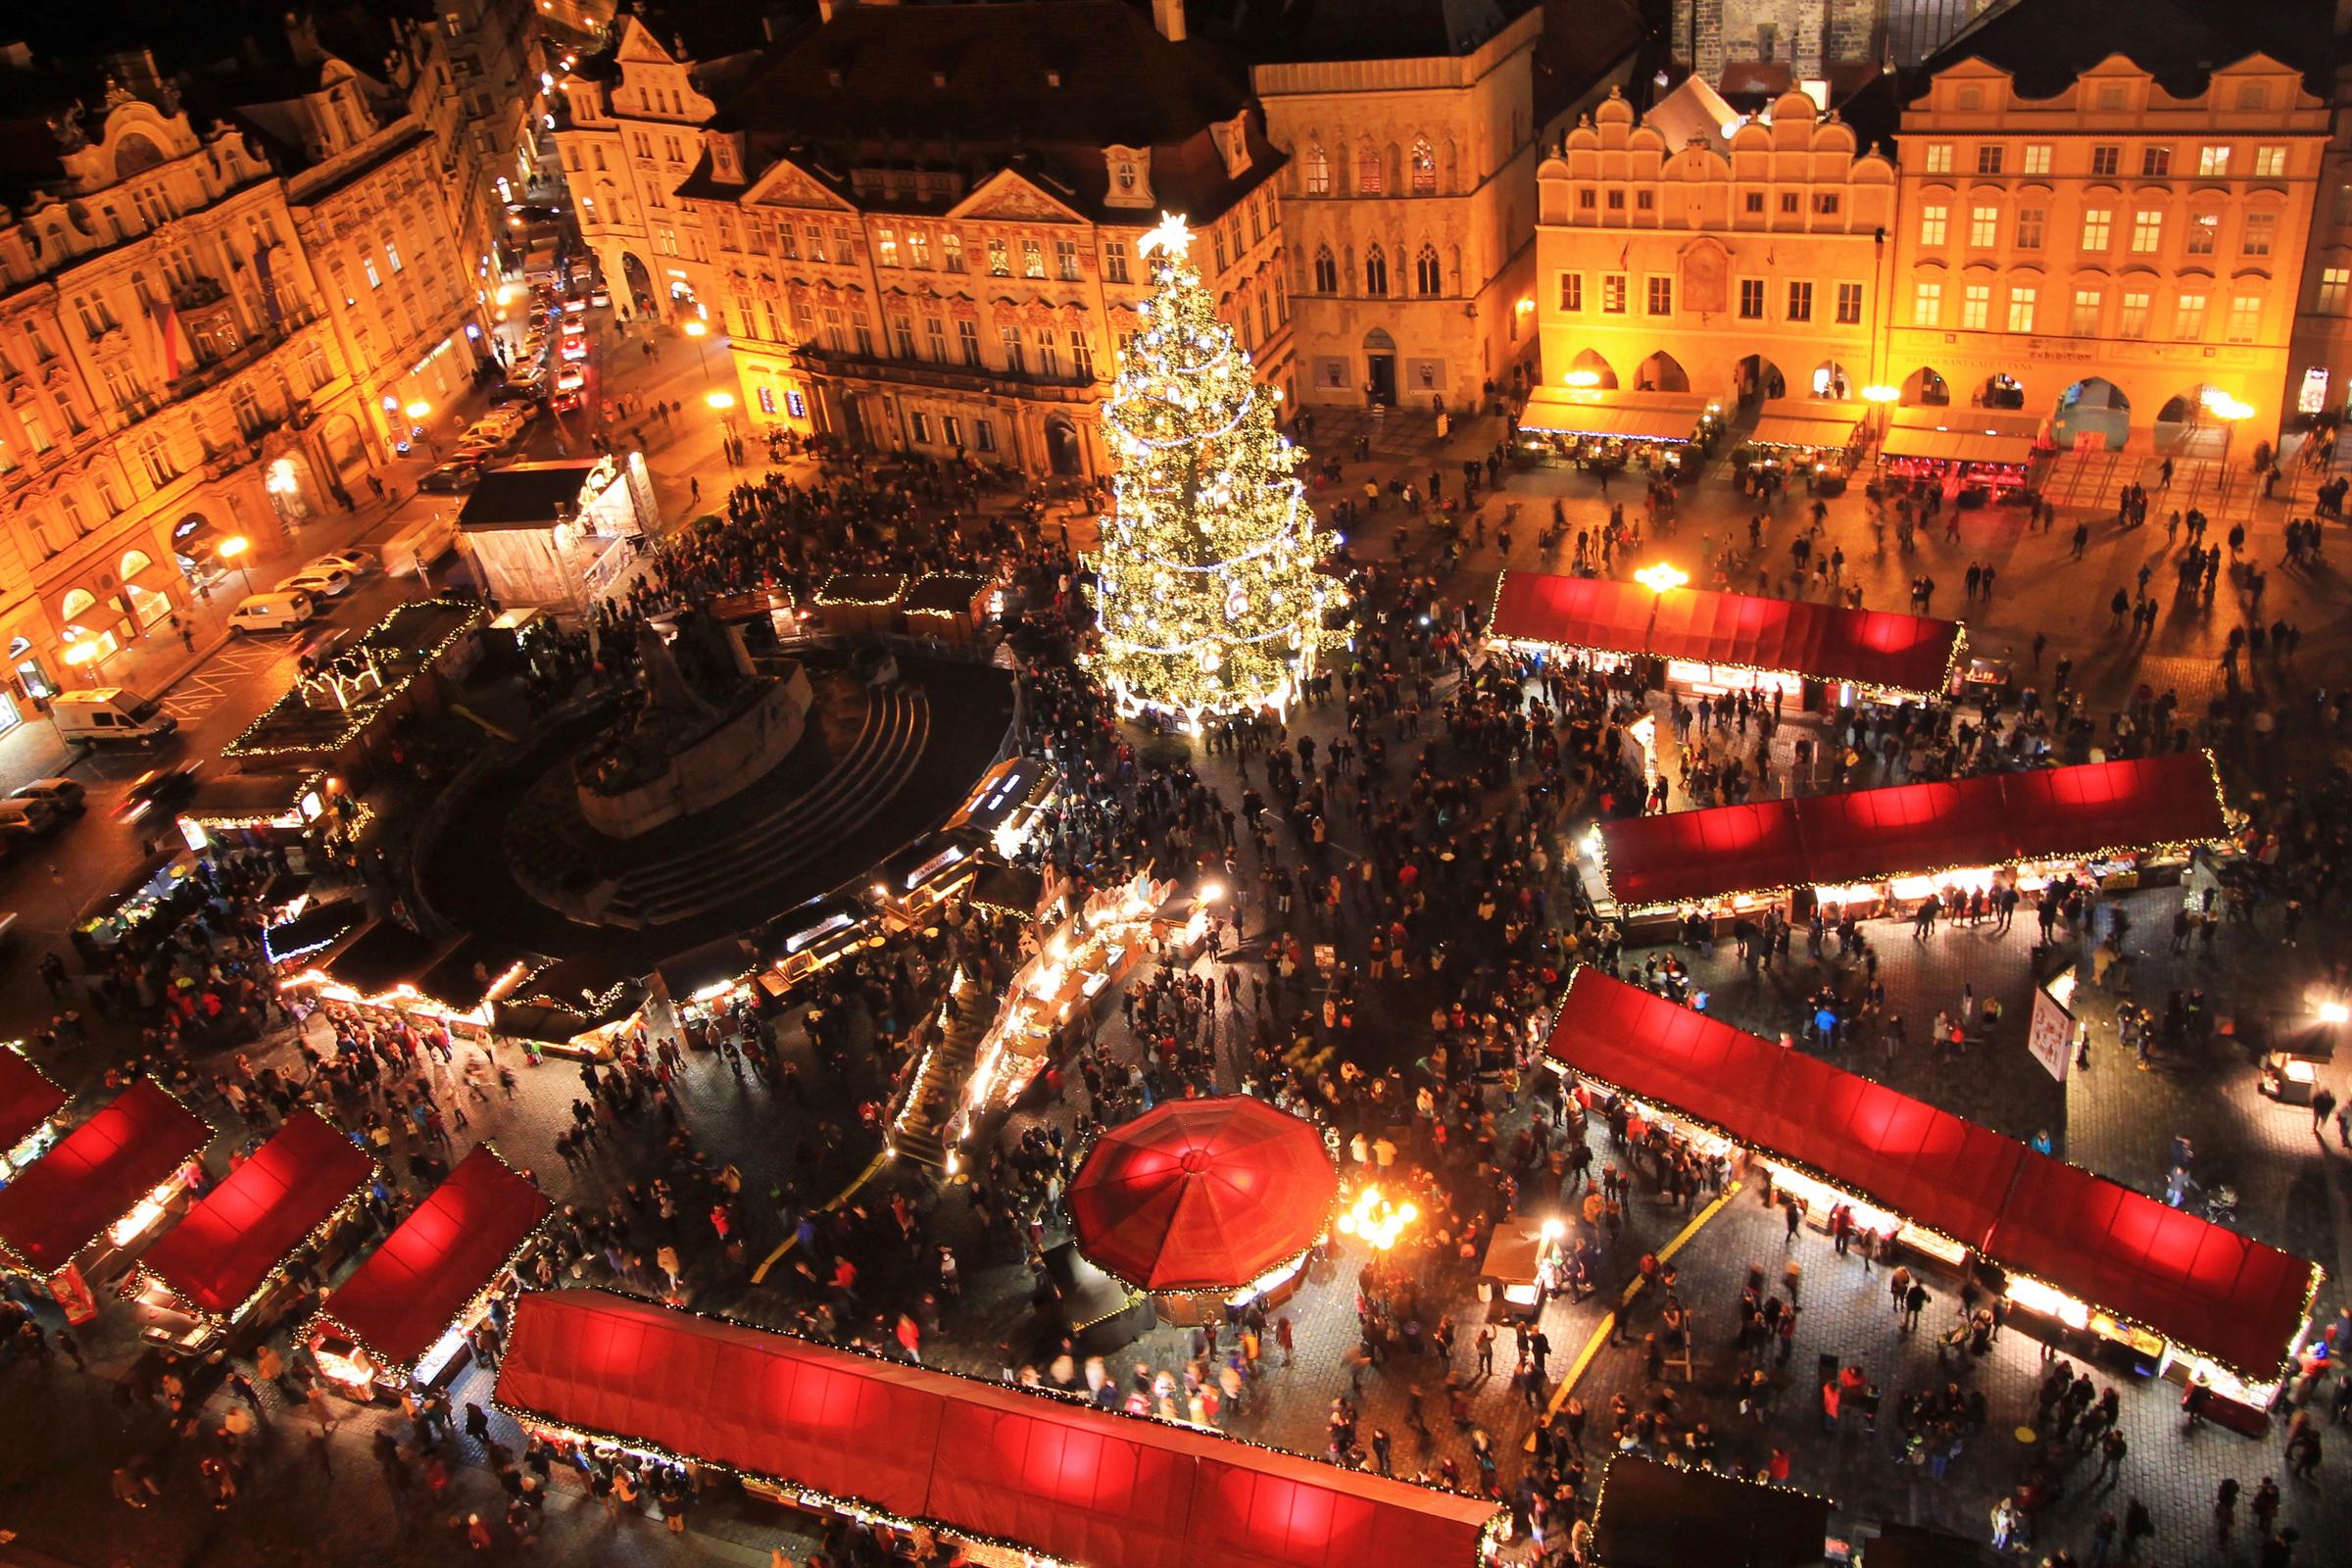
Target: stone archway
(1830, 380)
(1999, 390)
(638, 280)
(1590, 370)
(1756, 379)
(2093, 411)
(1066, 456)
(1661, 372)
(1926, 388)
(2188, 425)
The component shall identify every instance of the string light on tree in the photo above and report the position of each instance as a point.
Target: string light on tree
(1206, 594)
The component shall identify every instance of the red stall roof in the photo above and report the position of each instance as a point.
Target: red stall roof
(96, 1174)
(1878, 649)
(979, 1459)
(1911, 829)
(401, 1301)
(224, 1249)
(28, 1096)
(2200, 1285)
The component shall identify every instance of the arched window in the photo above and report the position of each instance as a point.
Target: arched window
(1367, 170)
(75, 602)
(1425, 169)
(1327, 272)
(1318, 170)
(134, 561)
(1428, 276)
(1376, 272)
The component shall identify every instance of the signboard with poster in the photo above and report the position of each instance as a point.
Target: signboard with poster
(2051, 1036)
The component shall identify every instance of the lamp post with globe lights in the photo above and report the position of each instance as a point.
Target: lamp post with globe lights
(1880, 395)
(235, 548)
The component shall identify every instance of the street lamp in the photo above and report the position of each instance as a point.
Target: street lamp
(698, 330)
(1661, 580)
(1878, 396)
(1583, 378)
(86, 651)
(724, 403)
(2229, 411)
(234, 548)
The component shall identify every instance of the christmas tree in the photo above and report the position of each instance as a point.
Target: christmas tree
(1205, 590)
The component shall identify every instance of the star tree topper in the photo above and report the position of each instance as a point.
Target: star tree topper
(1171, 237)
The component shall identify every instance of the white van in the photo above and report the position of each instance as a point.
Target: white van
(419, 545)
(279, 611)
(110, 716)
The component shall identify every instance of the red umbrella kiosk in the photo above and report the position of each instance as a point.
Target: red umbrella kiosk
(1203, 1201)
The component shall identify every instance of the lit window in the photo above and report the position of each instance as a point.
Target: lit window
(2131, 317)
(1066, 260)
(1367, 170)
(1976, 306)
(2204, 228)
(1572, 292)
(367, 265)
(1927, 305)
(2028, 229)
(1932, 220)
(951, 252)
(2245, 317)
(1032, 259)
(885, 246)
(2037, 158)
(2270, 163)
(2261, 229)
(2098, 224)
(1940, 158)
(392, 253)
(2147, 233)
(2021, 307)
(1425, 169)
(1318, 170)
(999, 263)
(1984, 228)
(919, 248)
(2085, 322)
(2189, 318)
(2334, 283)
(2213, 161)
(1612, 294)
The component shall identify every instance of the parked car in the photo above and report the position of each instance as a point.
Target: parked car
(282, 611)
(110, 716)
(31, 815)
(63, 793)
(355, 563)
(508, 395)
(567, 400)
(451, 479)
(570, 376)
(318, 582)
(157, 791)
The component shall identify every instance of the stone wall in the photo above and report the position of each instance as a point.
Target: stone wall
(1811, 35)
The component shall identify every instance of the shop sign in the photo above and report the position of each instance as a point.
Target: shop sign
(2051, 1034)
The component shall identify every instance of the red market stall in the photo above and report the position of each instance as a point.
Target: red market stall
(1871, 851)
(1220, 1195)
(2188, 1295)
(29, 1099)
(833, 1428)
(111, 1181)
(1717, 641)
(221, 1259)
(406, 1310)
(2098, 1255)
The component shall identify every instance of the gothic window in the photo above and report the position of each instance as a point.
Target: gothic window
(1327, 272)
(1318, 170)
(1367, 170)
(1428, 278)
(1376, 272)
(1425, 169)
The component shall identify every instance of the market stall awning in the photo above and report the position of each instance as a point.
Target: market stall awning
(1828, 425)
(223, 1250)
(1203, 1195)
(1655, 860)
(1863, 836)
(96, 1174)
(2203, 1286)
(1650, 1514)
(1627, 416)
(411, 1289)
(975, 1458)
(1877, 648)
(28, 1096)
(1958, 446)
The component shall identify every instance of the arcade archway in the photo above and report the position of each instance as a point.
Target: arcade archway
(2092, 413)
(1661, 372)
(1925, 389)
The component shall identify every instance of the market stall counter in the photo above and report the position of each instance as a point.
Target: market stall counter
(1813, 441)
(1976, 456)
(30, 1104)
(148, 907)
(79, 1211)
(407, 1310)
(223, 1263)
(1605, 429)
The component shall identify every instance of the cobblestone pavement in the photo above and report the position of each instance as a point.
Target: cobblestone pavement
(2111, 1119)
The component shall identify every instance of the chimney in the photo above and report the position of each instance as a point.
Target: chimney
(1168, 17)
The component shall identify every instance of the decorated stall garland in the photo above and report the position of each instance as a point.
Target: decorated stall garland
(12, 1256)
(365, 713)
(1492, 1533)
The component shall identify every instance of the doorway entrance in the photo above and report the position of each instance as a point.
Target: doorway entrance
(1380, 366)
(1061, 449)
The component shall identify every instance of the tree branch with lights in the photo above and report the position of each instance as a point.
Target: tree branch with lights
(1207, 596)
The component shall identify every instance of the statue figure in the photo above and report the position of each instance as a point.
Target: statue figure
(66, 127)
(667, 690)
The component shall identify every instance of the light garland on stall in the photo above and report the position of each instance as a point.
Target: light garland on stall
(1207, 594)
(11, 1156)
(1854, 1192)
(1951, 658)
(345, 1209)
(10, 1253)
(1770, 1489)
(1769, 891)
(825, 595)
(475, 1304)
(365, 713)
(1494, 1530)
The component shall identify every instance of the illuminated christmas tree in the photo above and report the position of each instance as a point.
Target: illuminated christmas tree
(1205, 590)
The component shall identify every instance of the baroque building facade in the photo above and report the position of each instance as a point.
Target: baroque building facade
(1697, 250)
(952, 288)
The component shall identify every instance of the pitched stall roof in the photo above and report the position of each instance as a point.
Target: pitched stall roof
(1650, 1514)
(1875, 648)
(405, 1296)
(1912, 829)
(96, 1174)
(28, 1096)
(2204, 1287)
(979, 1459)
(224, 1249)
